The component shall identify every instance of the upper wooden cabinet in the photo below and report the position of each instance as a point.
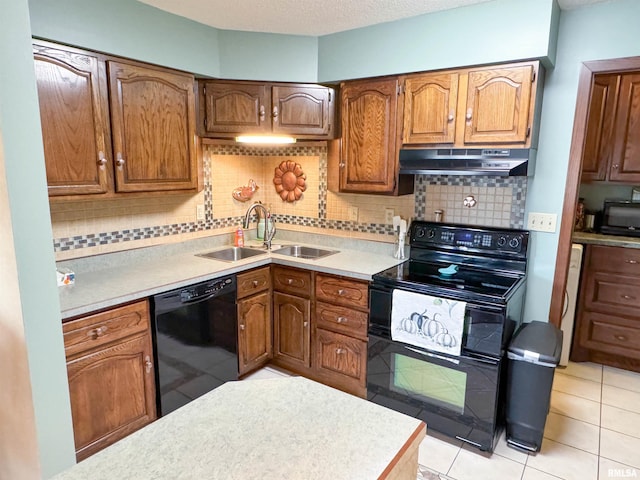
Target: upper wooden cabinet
(231, 108)
(472, 108)
(368, 154)
(141, 140)
(611, 148)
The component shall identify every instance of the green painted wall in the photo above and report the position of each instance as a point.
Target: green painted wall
(32, 236)
(492, 32)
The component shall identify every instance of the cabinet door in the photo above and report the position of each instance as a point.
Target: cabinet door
(72, 93)
(341, 360)
(153, 126)
(301, 110)
(625, 164)
(254, 332)
(369, 143)
(498, 105)
(597, 150)
(112, 393)
(235, 107)
(430, 109)
(292, 332)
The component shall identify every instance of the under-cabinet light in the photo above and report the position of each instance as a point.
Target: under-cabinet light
(272, 139)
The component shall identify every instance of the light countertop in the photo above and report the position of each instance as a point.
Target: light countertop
(148, 275)
(608, 240)
(272, 429)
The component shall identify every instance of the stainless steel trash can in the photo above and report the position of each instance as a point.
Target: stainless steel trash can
(533, 355)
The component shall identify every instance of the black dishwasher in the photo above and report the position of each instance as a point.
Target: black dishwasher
(195, 340)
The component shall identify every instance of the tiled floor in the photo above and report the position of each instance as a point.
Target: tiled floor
(592, 433)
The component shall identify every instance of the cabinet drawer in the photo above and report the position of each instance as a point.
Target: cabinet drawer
(341, 361)
(253, 282)
(350, 293)
(341, 319)
(614, 259)
(290, 280)
(101, 328)
(609, 334)
(612, 293)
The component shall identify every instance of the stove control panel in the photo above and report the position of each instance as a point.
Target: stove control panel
(427, 234)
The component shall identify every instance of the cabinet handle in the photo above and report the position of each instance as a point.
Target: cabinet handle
(255, 283)
(102, 160)
(615, 166)
(305, 324)
(289, 281)
(340, 351)
(147, 364)
(469, 114)
(97, 332)
(262, 113)
(242, 327)
(632, 262)
(341, 319)
(451, 116)
(341, 165)
(275, 113)
(622, 338)
(119, 160)
(341, 292)
(628, 297)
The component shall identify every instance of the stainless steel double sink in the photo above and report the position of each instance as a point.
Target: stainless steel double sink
(233, 254)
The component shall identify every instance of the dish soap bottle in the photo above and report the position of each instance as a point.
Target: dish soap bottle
(239, 240)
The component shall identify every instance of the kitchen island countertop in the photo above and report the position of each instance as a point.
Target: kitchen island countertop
(272, 429)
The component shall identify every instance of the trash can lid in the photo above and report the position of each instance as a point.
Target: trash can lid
(537, 342)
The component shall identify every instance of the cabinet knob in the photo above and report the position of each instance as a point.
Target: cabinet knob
(340, 292)
(275, 113)
(147, 364)
(451, 116)
(289, 281)
(341, 164)
(119, 160)
(305, 324)
(341, 319)
(615, 166)
(469, 115)
(632, 262)
(262, 112)
(102, 159)
(622, 338)
(340, 351)
(97, 332)
(628, 297)
(242, 327)
(254, 283)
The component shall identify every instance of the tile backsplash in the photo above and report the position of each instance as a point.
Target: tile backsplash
(89, 227)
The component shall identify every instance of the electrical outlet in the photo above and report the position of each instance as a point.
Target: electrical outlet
(542, 222)
(200, 212)
(388, 216)
(353, 214)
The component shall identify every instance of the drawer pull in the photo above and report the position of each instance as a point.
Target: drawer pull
(147, 364)
(341, 319)
(254, 283)
(340, 351)
(622, 338)
(242, 327)
(628, 297)
(632, 262)
(305, 324)
(341, 292)
(290, 281)
(97, 332)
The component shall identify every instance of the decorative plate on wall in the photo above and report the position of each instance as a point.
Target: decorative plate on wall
(289, 180)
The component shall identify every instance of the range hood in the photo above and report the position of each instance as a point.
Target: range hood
(468, 161)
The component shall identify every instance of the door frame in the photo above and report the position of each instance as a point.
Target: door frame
(572, 187)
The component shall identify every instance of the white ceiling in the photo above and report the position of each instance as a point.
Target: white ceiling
(311, 17)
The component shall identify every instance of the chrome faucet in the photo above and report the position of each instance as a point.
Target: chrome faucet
(269, 224)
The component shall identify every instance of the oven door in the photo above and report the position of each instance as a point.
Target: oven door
(457, 396)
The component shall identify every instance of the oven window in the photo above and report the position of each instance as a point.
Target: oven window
(436, 384)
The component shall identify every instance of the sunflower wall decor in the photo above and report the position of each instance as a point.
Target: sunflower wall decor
(289, 180)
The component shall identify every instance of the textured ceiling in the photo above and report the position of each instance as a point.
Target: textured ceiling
(311, 17)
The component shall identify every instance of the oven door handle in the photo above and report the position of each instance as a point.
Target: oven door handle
(481, 359)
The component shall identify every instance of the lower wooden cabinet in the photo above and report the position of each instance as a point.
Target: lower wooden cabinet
(111, 375)
(608, 320)
(292, 331)
(341, 361)
(255, 336)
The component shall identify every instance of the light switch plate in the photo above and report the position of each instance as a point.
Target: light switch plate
(388, 216)
(353, 214)
(542, 222)
(200, 212)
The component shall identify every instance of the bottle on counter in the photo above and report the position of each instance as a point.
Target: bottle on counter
(239, 240)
